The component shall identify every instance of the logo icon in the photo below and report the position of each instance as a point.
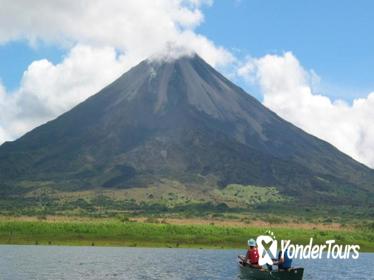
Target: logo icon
(266, 255)
(267, 246)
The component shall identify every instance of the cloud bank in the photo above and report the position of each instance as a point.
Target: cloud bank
(136, 28)
(288, 90)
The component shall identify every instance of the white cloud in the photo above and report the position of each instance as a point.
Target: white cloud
(288, 90)
(103, 38)
(138, 28)
(48, 90)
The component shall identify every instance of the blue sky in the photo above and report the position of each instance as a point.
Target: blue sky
(16, 56)
(334, 38)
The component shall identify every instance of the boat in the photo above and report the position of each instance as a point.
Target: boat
(249, 272)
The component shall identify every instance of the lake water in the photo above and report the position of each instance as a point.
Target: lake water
(61, 262)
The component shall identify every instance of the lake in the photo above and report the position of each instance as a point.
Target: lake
(19, 262)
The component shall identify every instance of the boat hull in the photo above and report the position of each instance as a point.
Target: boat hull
(247, 272)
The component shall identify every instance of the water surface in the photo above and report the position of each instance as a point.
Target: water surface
(63, 262)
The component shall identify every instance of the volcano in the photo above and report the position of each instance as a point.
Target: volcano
(179, 120)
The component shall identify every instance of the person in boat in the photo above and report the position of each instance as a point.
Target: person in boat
(252, 255)
(284, 262)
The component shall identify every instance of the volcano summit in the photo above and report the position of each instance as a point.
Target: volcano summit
(183, 121)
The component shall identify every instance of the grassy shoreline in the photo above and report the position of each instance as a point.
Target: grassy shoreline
(142, 234)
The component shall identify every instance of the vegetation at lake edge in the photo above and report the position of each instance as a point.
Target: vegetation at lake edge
(150, 234)
(106, 218)
(176, 199)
